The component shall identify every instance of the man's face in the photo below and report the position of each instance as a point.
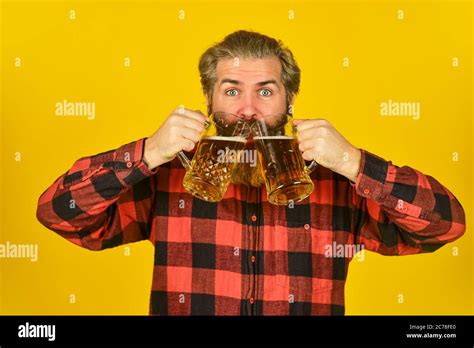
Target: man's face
(251, 89)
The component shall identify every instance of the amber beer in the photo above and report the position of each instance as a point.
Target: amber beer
(283, 167)
(210, 171)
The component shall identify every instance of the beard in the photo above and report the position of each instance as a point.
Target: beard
(246, 173)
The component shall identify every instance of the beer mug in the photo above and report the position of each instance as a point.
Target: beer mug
(209, 172)
(281, 162)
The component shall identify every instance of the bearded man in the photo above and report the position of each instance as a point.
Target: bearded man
(243, 255)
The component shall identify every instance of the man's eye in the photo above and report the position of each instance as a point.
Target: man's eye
(231, 92)
(265, 92)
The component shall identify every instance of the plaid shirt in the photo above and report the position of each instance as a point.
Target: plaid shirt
(243, 255)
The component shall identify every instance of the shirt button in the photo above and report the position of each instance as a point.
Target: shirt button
(252, 300)
(366, 191)
(306, 226)
(129, 164)
(254, 218)
(253, 258)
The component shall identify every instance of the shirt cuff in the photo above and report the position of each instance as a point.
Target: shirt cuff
(372, 176)
(130, 157)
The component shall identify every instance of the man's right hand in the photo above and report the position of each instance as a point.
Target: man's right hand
(181, 131)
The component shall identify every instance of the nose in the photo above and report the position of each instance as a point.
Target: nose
(248, 109)
(248, 116)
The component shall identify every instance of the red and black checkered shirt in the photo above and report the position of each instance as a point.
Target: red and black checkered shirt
(243, 255)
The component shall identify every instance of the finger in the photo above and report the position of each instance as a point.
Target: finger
(181, 144)
(303, 146)
(306, 134)
(306, 124)
(191, 123)
(186, 144)
(190, 134)
(309, 155)
(316, 132)
(297, 121)
(194, 114)
(206, 118)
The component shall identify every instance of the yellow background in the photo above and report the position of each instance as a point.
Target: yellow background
(406, 59)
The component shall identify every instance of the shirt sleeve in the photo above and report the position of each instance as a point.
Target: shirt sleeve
(103, 201)
(401, 211)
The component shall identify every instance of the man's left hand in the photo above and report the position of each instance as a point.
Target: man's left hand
(320, 141)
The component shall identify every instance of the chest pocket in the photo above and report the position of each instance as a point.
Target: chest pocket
(301, 265)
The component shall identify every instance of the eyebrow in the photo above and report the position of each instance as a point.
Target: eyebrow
(267, 82)
(234, 82)
(261, 83)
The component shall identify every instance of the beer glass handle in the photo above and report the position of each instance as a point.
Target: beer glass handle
(312, 166)
(184, 160)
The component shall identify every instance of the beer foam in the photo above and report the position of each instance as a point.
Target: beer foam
(286, 137)
(220, 137)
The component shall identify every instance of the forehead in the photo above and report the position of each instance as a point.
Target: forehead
(249, 70)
